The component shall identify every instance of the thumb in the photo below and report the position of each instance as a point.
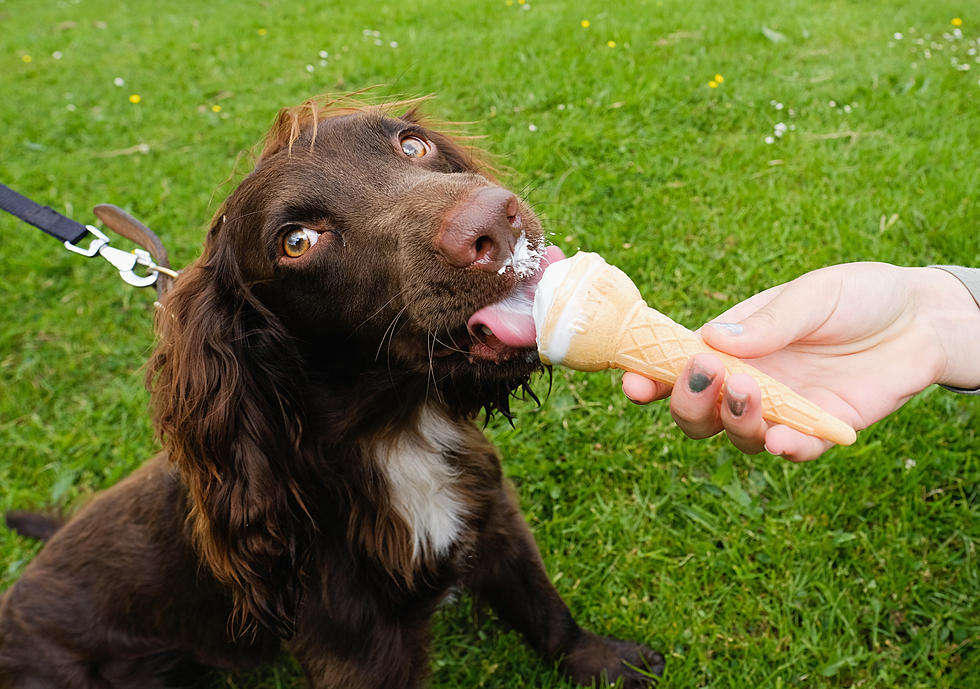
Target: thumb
(787, 313)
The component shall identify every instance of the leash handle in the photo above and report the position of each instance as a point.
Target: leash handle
(41, 217)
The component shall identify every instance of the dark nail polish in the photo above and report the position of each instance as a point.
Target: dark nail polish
(698, 381)
(736, 404)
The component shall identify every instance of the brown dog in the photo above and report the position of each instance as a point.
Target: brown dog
(323, 486)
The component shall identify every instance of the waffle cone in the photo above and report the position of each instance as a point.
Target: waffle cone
(597, 319)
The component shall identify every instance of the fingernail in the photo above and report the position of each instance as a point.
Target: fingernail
(698, 381)
(730, 328)
(773, 452)
(736, 403)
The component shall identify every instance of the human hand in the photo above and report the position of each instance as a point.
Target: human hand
(857, 339)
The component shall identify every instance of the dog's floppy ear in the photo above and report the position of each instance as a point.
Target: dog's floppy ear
(224, 387)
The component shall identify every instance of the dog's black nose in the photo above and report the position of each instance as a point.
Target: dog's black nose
(481, 230)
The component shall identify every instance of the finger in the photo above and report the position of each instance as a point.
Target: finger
(694, 400)
(741, 414)
(642, 390)
(746, 308)
(786, 314)
(785, 442)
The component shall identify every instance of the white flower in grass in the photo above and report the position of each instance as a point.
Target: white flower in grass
(770, 140)
(57, 55)
(119, 81)
(897, 36)
(310, 68)
(532, 127)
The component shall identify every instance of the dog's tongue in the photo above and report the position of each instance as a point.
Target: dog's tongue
(512, 321)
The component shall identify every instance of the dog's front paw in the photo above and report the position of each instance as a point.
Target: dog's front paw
(600, 661)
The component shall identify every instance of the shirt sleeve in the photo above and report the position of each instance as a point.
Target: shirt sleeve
(970, 277)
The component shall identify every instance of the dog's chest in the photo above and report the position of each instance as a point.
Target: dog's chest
(423, 485)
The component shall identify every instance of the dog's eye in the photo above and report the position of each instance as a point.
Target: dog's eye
(298, 241)
(414, 147)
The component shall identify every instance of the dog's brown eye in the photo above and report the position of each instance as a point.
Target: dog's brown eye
(298, 241)
(414, 147)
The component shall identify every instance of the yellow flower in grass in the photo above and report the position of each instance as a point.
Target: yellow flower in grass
(135, 98)
(586, 23)
(262, 32)
(215, 108)
(957, 21)
(713, 84)
(720, 79)
(26, 58)
(611, 44)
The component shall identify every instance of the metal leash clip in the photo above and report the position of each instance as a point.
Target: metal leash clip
(123, 261)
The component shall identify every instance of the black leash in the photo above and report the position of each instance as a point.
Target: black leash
(41, 217)
(71, 232)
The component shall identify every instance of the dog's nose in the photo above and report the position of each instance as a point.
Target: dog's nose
(481, 230)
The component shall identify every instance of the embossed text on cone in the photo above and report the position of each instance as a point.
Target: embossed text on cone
(594, 318)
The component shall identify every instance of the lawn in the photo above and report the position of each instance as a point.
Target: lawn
(709, 149)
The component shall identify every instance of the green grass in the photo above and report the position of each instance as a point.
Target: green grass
(858, 570)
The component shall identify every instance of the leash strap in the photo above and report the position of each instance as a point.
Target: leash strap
(41, 217)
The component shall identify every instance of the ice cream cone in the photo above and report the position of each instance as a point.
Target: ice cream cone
(590, 316)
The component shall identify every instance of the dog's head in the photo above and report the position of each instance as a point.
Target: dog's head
(375, 240)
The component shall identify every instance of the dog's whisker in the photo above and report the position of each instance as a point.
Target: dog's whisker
(380, 309)
(452, 347)
(389, 333)
(227, 219)
(430, 381)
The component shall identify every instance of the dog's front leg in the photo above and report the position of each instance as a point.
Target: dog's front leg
(511, 577)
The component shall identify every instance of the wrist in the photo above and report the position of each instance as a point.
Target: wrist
(953, 315)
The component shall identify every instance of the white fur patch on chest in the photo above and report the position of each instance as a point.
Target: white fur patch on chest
(422, 483)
